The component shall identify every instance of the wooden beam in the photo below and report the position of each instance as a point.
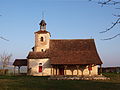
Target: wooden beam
(89, 68)
(77, 69)
(65, 69)
(56, 70)
(51, 70)
(19, 69)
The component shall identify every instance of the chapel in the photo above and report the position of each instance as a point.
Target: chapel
(62, 56)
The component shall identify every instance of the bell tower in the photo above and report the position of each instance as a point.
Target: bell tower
(42, 38)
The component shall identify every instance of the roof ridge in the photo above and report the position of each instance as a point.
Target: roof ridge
(71, 39)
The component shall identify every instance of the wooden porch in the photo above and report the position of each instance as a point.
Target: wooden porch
(61, 70)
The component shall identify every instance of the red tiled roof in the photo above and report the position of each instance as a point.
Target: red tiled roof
(40, 31)
(69, 51)
(38, 55)
(20, 62)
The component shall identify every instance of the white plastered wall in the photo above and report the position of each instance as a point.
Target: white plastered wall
(34, 67)
(46, 68)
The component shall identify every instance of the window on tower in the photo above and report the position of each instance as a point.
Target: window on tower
(41, 39)
(42, 50)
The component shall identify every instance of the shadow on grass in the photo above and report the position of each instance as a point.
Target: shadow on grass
(42, 83)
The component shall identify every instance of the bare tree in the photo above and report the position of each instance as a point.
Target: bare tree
(3, 38)
(5, 58)
(115, 3)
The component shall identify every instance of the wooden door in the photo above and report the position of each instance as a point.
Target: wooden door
(40, 68)
(61, 71)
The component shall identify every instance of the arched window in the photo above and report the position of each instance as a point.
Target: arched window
(42, 50)
(41, 39)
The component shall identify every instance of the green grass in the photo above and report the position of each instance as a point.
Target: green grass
(42, 83)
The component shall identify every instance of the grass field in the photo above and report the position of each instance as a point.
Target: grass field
(42, 83)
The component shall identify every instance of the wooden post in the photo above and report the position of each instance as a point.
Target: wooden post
(28, 69)
(65, 68)
(89, 72)
(82, 70)
(100, 69)
(51, 70)
(56, 70)
(89, 68)
(19, 69)
(77, 69)
(14, 70)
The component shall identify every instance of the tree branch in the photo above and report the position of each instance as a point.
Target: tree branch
(117, 21)
(112, 37)
(5, 58)
(105, 2)
(4, 38)
(109, 2)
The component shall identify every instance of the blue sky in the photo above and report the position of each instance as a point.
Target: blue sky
(66, 19)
